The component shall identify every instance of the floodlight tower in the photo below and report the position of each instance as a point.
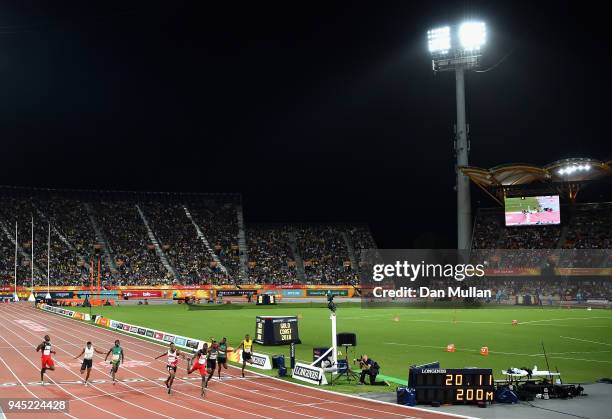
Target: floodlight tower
(459, 48)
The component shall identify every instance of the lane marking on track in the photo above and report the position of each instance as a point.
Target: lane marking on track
(132, 363)
(33, 326)
(567, 318)
(49, 378)
(585, 340)
(512, 353)
(289, 385)
(528, 322)
(125, 380)
(78, 378)
(498, 352)
(112, 332)
(74, 325)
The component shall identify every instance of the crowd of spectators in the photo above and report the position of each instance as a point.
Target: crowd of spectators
(178, 238)
(65, 260)
(579, 242)
(218, 221)
(329, 254)
(590, 228)
(325, 254)
(547, 291)
(74, 252)
(125, 250)
(7, 259)
(271, 258)
(133, 252)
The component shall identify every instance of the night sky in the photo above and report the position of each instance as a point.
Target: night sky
(314, 112)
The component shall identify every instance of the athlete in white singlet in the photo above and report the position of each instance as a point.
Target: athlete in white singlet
(172, 361)
(88, 353)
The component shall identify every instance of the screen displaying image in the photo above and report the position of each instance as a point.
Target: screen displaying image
(532, 210)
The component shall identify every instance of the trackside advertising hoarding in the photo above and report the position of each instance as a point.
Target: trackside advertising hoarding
(156, 335)
(309, 374)
(261, 361)
(63, 312)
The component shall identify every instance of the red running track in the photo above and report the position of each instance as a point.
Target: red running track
(518, 218)
(141, 392)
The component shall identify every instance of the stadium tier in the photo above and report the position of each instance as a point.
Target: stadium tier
(567, 262)
(585, 226)
(162, 239)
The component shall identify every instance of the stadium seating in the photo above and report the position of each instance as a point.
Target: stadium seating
(152, 239)
(583, 240)
(585, 226)
(271, 256)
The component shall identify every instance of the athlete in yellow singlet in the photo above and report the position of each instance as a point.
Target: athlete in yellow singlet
(247, 349)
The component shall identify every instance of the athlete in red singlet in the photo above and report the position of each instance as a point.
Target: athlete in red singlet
(45, 359)
(200, 358)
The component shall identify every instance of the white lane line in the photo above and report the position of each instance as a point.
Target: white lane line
(63, 322)
(125, 383)
(60, 387)
(585, 340)
(314, 389)
(567, 318)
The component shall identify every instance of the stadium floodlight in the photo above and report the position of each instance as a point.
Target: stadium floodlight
(459, 48)
(439, 40)
(472, 35)
(568, 170)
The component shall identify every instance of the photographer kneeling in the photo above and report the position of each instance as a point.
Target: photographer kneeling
(369, 367)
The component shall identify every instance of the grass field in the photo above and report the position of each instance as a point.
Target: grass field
(518, 204)
(578, 342)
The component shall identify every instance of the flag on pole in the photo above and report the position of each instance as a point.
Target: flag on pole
(48, 296)
(31, 298)
(16, 297)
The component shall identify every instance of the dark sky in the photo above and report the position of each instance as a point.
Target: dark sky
(314, 112)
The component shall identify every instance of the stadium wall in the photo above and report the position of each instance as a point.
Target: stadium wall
(177, 292)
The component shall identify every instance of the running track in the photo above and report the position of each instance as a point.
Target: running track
(141, 393)
(518, 218)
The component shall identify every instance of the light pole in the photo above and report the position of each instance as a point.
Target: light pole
(458, 49)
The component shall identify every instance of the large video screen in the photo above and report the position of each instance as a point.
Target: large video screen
(532, 210)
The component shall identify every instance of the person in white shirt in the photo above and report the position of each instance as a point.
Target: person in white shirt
(87, 352)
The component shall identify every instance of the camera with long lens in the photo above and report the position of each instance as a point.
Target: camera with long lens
(330, 302)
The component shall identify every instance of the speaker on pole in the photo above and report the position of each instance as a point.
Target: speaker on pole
(346, 339)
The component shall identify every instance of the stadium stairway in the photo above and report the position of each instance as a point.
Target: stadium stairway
(202, 237)
(158, 250)
(37, 272)
(565, 228)
(64, 239)
(299, 262)
(351, 252)
(100, 238)
(242, 244)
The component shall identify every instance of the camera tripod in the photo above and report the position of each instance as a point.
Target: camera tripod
(348, 375)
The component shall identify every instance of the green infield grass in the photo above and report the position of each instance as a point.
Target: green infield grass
(518, 204)
(578, 342)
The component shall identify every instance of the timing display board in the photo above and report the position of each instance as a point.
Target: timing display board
(456, 386)
(266, 299)
(276, 330)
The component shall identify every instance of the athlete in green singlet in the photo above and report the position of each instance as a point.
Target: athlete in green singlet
(117, 358)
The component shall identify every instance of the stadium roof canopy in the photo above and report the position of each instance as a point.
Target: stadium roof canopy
(563, 176)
